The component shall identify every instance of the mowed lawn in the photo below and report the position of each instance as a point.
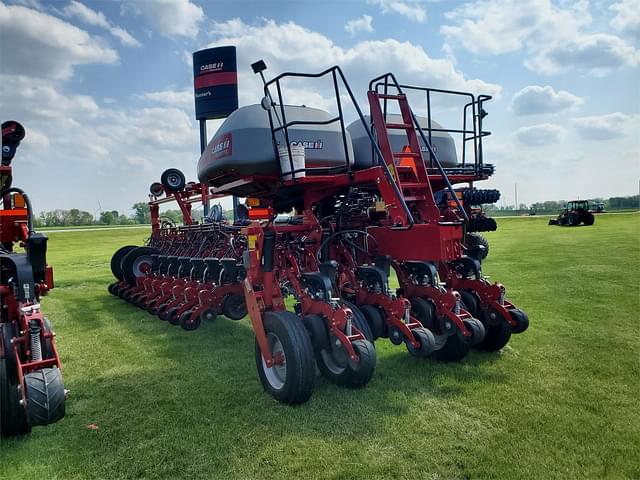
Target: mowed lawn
(560, 401)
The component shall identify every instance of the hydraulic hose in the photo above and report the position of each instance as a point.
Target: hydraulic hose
(27, 201)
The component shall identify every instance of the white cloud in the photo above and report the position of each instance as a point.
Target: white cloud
(627, 18)
(607, 127)
(362, 24)
(552, 35)
(597, 54)
(539, 135)
(36, 44)
(536, 100)
(91, 17)
(170, 18)
(409, 9)
(314, 52)
(173, 98)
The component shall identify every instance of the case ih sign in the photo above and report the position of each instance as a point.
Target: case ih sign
(215, 82)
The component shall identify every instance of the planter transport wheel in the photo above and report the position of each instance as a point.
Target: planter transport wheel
(116, 260)
(292, 378)
(136, 263)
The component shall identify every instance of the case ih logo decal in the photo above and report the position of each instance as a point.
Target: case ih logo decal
(212, 67)
(425, 149)
(309, 145)
(222, 147)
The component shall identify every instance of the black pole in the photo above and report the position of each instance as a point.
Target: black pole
(203, 146)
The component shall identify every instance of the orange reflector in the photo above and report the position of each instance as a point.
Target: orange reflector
(253, 202)
(18, 201)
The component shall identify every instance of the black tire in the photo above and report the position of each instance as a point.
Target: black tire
(318, 331)
(498, 334)
(521, 318)
(13, 417)
(116, 260)
(208, 315)
(475, 239)
(173, 180)
(45, 396)
(132, 262)
(171, 315)
(352, 375)
(470, 303)
(293, 382)
(375, 319)
(454, 350)
(156, 189)
(424, 311)
(188, 323)
(427, 342)
(234, 307)
(477, 330)
(161, 311)
(360, 320)
(589, 219)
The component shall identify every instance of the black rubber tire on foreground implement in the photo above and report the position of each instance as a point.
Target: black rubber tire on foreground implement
(13, 417)
(352, 375)
(171, 315)
(522, 318)
(375, 320)
(427, 342)
(234, 307)
(173, 180)
(497, 334)
(116, 260)
(188, 323)
(293, 382)
(475, 239)
(132, 260)
(45, 396)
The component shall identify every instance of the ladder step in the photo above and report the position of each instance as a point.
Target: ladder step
(399, 126)
(389, 96)
(406, 154)
(406, 185)
(416, 198)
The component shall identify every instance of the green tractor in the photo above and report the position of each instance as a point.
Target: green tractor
(575, 212)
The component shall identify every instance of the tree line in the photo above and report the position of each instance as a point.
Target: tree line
(142, 216)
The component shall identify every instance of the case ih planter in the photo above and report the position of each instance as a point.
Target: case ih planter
(31, 388)
(368, 198)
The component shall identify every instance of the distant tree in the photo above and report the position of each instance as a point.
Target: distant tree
(107, 218)
(141, 213)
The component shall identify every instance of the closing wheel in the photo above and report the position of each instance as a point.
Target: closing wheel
(375, 320)
(161, 311)
(234, 307)
(291, 379)
(427, 342)
(208, 315)
(188, 321)
(171, 315)
(455, 348)
(521, 318)
(173, 180)
(116, 260)
(497, 334)
(477, 330)
(45, 396)
(335, 365)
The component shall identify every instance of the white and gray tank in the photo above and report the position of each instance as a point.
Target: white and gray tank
(243, 145)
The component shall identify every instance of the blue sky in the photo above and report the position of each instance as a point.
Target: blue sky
(105, 88)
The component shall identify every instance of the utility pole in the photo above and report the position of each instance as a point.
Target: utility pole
(517, 206)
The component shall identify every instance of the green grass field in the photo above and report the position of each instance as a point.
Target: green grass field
(560, 401)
